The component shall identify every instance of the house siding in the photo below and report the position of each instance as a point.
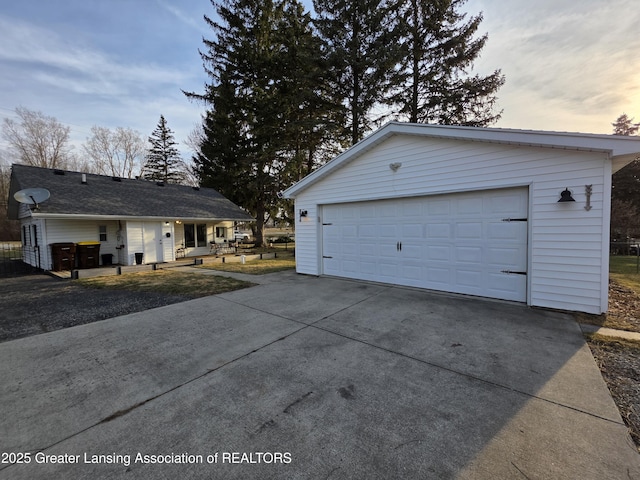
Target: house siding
(74, 231)
(35, 249)
(566, 242)
(134, 241)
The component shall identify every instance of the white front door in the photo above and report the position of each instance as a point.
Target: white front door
(153, 244)
(473, 243)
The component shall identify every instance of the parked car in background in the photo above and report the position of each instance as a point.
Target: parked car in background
(241, 236)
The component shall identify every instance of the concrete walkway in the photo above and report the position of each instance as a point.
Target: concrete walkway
(610, 332)
(306, 377)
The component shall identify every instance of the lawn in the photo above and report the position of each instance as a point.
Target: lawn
(257, 267)
(169, 282)
(624, 270)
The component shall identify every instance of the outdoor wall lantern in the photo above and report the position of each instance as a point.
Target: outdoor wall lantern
(303, 213)
(565, 196)
(395, 166)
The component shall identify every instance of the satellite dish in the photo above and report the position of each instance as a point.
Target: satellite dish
(32, 196)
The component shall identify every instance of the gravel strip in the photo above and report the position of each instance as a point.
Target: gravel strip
(34, 304)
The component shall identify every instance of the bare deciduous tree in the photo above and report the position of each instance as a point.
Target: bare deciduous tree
(37, 139)
(119, 153)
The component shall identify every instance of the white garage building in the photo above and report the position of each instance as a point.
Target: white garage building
(467, 210)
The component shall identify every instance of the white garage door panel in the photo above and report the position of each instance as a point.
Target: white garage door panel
(460, 243)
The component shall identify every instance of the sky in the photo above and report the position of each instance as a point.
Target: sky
(569, 65)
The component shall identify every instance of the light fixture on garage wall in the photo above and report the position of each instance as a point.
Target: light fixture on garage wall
(395, 166)
(303, 214)
(565, 196)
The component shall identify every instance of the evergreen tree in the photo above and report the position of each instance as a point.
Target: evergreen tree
(440, 49)
(625, 126)
(163, 160)
(363, 48)
(267, 108)
(625, 193)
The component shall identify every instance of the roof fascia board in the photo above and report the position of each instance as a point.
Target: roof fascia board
(73, 216)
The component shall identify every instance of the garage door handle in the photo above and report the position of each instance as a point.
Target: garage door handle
(324, 256)
(511, 272)
(398, 246)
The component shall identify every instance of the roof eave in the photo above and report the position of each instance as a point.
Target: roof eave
(81, 216)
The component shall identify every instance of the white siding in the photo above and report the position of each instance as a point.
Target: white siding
(35, 251)
(74, 231)
(134, 241)
(567, 268)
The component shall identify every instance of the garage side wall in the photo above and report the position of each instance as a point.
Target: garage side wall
(567, 266)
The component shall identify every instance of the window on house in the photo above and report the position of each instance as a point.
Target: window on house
(202, 234)
(189, 235)
(102, 229)
(25, 236)
(35, 235)
(220, 232)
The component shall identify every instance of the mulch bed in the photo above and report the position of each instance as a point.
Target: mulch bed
(624, 306)
(619, 363)
(619, 360)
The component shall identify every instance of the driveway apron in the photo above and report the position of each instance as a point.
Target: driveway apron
(305, 377)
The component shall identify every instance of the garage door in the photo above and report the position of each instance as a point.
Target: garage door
(473, 243)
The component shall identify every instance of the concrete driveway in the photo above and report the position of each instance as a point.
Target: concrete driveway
(306, 377)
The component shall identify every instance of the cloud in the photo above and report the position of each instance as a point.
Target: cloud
(82, 85)
(180, 15)
(566, 63)
(56, 61)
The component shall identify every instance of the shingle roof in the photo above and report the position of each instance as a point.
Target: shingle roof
(102, 195)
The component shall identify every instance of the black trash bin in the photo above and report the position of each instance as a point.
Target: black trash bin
(107, 259)
(139, 258)
(88, 254)
(63, 256)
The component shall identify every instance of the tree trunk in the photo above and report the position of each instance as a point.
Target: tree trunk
(259, 228)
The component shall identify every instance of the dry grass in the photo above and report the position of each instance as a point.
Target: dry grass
(618, 361)
(256, 267)
(623, 269)
(168, 282)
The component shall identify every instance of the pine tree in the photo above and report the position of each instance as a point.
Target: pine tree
(440, 49)
(625, 126)
(363, 48)
(163, 160)
(626, 181)
(267, 108)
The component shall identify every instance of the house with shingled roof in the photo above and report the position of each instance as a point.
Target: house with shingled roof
(124, 216)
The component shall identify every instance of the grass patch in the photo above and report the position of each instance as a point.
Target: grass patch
(614, 342)
(623, 269)
(256, 267)
(168, 282)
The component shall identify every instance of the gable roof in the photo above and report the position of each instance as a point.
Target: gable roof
(622, 150)
(103, 196)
